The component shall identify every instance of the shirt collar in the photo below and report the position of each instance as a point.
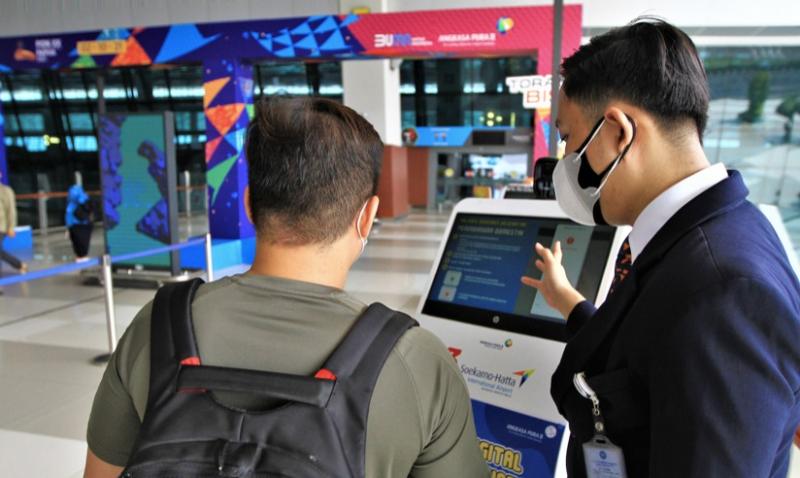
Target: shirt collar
(666, 204)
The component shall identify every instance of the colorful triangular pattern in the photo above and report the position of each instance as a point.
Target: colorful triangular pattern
(212, 88)
(181, 40)
(224, 117)
(310, 38)
(216, 175)
(211, 146)
(329, 24)
(134, 54)
(85, 61)
(114, 34)
(228, 102)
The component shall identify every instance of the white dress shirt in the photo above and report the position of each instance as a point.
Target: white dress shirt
(668, 203)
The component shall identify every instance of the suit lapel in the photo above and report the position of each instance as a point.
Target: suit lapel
(721, 198)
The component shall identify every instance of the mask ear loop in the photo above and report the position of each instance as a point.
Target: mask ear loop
(363, 239)
(617, 160)
(591, 137)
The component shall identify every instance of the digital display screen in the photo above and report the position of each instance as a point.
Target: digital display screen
(478, 277)
(134, 166)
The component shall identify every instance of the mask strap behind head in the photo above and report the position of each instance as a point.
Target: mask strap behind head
(618, 158)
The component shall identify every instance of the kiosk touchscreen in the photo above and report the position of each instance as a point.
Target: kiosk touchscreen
(477, 276)
(506, 339)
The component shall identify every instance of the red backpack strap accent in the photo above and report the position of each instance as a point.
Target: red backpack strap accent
(191, 361)
(325, 374)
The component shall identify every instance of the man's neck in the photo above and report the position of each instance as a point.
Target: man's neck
(314, 264)
(673, 167)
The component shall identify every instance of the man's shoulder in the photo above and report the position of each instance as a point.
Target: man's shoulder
(419, 343)
(739, 244)
(425, 359)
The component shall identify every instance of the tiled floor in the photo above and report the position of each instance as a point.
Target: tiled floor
(51, 329)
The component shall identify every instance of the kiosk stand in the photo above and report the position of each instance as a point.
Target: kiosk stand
(505, 337)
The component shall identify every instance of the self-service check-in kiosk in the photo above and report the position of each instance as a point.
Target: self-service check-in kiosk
(505, 337)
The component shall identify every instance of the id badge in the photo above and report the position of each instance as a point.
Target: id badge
(603, 458)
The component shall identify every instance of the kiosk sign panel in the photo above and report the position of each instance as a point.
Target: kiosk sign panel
(516, 445)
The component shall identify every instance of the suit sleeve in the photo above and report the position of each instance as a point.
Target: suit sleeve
(723, 378)
(579, 316)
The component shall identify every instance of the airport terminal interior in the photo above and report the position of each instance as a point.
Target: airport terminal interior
(145, 106)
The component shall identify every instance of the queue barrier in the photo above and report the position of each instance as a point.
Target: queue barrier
(105, 262)
(41, 198)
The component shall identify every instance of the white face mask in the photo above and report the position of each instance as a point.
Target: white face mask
(578, 187)
(364, 240)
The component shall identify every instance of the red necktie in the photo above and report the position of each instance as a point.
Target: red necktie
(623, 265)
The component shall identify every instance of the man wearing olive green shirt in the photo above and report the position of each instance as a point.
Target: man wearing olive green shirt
(313, 172)
(8, 221)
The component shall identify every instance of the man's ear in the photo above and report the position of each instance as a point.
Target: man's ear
(368, 218)
(246, 199)
(623, 124)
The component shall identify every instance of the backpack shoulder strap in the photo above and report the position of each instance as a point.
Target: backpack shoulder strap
(355, 365)
(172, 340)
(368, 343)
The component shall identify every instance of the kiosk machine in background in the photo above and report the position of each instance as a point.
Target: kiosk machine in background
(506, 339)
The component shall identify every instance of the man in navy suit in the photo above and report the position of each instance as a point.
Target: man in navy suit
(695, 355)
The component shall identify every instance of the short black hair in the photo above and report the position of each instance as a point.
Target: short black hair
(312, 163)
(647, 63)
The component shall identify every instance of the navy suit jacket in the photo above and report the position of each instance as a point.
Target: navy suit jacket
(696, 355)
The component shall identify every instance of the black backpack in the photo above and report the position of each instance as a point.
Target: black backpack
(84, 211)
(320, 430)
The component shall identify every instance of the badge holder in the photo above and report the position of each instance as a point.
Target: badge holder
(603, 458)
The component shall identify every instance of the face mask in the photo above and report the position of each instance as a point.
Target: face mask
(578, 187)
(364, 240)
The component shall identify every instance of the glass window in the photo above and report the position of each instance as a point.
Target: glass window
(10, 126)
(81, 121)
(753, 122)
(464, 92)
(183, 121)
(283, 79)
(32, 122)
(330, 85)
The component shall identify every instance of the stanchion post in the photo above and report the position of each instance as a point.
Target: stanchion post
(111, 321)
(42, 199)
(187, 195)
(209, 258)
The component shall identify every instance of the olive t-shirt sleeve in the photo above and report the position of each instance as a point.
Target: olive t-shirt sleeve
(449, 442)
(114, 421)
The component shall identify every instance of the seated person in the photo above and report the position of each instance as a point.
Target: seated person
(313, 174)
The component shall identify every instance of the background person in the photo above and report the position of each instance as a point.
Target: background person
(8, 223)
(694, 354)
(78, 218)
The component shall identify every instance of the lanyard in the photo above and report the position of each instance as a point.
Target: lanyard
(582, 386)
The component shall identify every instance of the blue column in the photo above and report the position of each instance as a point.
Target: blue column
(228, 106)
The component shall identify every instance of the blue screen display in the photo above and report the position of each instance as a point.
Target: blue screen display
(486, 256)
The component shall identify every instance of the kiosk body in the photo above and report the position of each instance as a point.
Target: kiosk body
(505, 338)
